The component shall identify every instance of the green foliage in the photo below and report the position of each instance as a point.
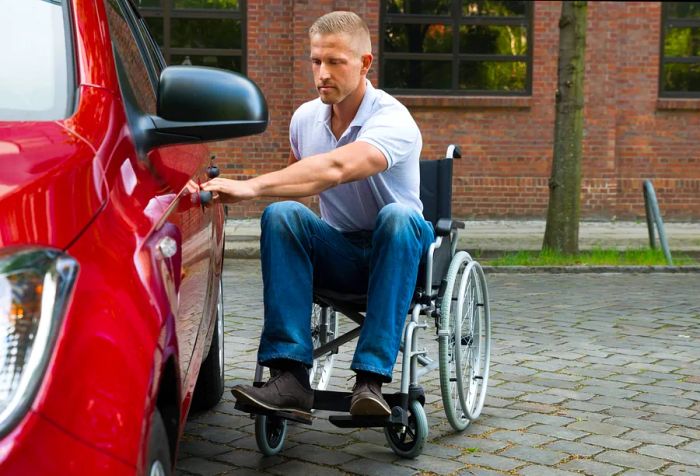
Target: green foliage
(595, 257)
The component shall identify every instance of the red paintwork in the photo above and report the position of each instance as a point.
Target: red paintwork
(78, 185)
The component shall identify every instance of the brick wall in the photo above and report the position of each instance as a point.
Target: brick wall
(629, 134)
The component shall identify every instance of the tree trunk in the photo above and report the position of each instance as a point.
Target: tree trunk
(561, 233)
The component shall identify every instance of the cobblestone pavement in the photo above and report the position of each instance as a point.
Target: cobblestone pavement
(591, 374)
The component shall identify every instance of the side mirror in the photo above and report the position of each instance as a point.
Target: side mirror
(199, 104)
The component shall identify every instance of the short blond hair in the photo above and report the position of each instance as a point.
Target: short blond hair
(344, 22)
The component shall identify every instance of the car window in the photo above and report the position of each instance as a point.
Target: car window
(36, 73)
(130, 56)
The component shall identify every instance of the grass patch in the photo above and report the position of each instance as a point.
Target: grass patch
(595, 257)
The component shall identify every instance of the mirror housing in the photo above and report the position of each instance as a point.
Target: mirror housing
(200, 104)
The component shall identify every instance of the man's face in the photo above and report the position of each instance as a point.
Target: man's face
(337, 67)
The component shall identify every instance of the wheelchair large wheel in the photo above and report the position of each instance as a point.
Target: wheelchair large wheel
(408, 442)
(324, 328)
(464, 341)
(473, 337)
(270, 432)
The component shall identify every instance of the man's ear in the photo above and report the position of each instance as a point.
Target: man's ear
(366, 62)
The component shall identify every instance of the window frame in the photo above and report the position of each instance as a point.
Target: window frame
(668, 22)
(167, 12)
(455, 19)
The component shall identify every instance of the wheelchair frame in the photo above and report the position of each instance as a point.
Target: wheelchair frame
(406, 429)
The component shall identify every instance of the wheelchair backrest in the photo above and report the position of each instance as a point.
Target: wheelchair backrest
(436, 189)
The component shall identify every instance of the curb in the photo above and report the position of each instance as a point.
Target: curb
(253, 252)
(588, 269)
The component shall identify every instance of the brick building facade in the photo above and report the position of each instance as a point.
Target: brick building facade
(630, 132)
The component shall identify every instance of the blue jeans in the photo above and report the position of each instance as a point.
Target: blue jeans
(298, 249)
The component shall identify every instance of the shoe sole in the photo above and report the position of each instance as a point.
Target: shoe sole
(244, 398)
(369, 407)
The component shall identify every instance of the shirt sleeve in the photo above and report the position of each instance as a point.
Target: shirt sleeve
(394, 132)
(294, 135)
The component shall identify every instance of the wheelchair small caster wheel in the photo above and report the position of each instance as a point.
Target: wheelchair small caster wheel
(270, 432)
(408, 441)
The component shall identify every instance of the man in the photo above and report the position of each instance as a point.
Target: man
(358, 148)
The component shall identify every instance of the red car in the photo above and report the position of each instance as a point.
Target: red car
(111, 317)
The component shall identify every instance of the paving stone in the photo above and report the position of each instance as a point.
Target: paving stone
(301, 468)
(373, 468)
(537, 470)
(680, 470)
(249, 459)
(200, 466)
(318, 455)
(610, 442)
(534, 455)
(655, 437)
(587, 466)
(630, 460)
(690, 458)
(574, 448)
(522, 438)
(557, 432)
(470, 444)
(598, 428)
(431, 464)
(492, 461)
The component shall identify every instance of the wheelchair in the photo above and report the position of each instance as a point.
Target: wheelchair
(451, 293)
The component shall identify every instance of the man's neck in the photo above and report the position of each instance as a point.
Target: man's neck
(344, 112)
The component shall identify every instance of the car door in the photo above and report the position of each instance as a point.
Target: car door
(176, 172)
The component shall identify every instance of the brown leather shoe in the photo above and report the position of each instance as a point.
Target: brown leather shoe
(367, 398)
(282, 392)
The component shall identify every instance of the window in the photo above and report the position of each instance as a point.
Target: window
(199, 32)
(680, 50)
(129, 56)
(477, 47)
(36, 77)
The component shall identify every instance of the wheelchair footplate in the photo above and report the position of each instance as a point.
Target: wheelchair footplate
(340, 402)
(255, 410)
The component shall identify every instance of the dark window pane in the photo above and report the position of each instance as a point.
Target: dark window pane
(418, 38)
(683, 9)
(155, 26)
(209, 4)
(129, 53)
(681, 77)
(205, 33)
(492, 8)
(419, 7)
(148, 3)
(493, 75)
(225, 62)
(493, 40)
(682, 42)
(411, 74)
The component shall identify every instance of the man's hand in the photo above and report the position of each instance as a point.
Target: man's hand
(230, 191)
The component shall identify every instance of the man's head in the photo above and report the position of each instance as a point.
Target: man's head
(341, 55)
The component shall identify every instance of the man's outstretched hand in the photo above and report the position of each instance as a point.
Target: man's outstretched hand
(230, 191)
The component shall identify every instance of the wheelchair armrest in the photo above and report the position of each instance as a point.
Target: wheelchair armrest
(445, 226)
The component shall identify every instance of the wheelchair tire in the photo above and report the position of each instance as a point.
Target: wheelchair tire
(270, 433)
(474, 338)
(451, 306)
(409, 443)
(320, 373)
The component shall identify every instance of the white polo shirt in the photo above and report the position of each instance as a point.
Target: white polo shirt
(381, 121)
